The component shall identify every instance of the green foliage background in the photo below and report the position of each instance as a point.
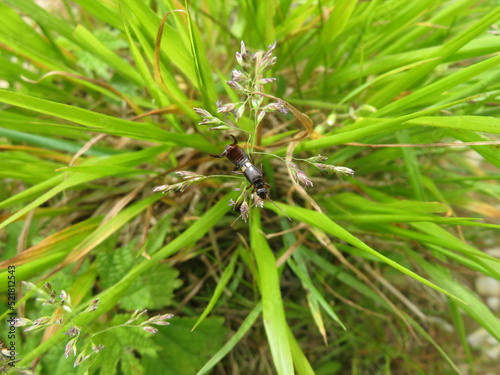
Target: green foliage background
(362, 287)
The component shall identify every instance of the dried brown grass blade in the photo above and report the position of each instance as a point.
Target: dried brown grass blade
(304, 119)
(157, 72)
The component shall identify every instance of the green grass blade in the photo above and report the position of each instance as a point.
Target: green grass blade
(368, 127)
(233, 341)
(75, 179)
(177, 52)
(322, 222)
(412, 165)
(221, 284)
(430, 339)
(89, 42)
(439, 17)
(104, 124)
(434, 90)
(141, 65)
(109, 228)
(300, 361)
(307, 283)
(474, 307)
(384, 96)
(202, 66)
(472, 123)
(269, 285)
(106, 11)
(462, 333)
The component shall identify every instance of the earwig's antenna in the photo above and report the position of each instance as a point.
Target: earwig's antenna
(249, 208)
(235, 220)
(279, 208)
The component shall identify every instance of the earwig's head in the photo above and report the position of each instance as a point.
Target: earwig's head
(262, 193)
(229, 148)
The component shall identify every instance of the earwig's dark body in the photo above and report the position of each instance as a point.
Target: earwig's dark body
(242, 162)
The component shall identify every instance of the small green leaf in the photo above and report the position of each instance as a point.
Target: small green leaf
(153, 290)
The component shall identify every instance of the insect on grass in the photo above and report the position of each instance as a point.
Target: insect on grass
(241, 160)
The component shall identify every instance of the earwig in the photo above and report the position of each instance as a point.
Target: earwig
(240, 159)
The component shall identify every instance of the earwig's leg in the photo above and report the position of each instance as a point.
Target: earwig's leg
(267, 185)
(218, 156)
(235, 140)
